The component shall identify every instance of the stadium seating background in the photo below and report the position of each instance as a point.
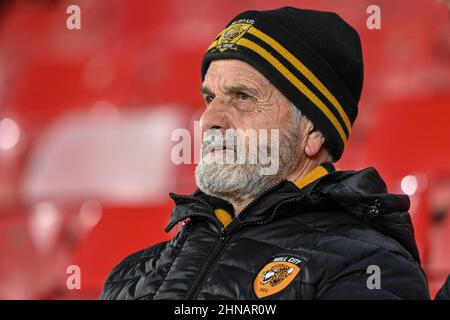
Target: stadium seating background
(74, 191)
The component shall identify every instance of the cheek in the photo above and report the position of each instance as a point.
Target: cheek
(262, 120)
(202, 122)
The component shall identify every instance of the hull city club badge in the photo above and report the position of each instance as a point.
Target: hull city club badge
(227, 38)
(276, 275)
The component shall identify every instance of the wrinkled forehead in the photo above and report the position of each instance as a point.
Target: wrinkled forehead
(234, 70)
(232, 75)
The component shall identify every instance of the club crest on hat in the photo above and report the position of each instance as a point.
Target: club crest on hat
(276, 275)
(227, 38)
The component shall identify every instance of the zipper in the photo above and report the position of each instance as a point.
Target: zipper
(275, 211)
(225, 235)
(250, 204)
(262, 194)
(213, 216)
(206, 204)
(212, 257)
(189, 197)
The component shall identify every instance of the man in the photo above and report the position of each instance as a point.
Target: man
(307, 231)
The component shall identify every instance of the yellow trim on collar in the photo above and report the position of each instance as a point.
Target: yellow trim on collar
(223, 216)
(311, 176)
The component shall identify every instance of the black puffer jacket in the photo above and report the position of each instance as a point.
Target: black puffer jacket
(334, 239)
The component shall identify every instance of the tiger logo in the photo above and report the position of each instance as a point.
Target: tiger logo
(232, 32)
(276, 274)
(227, 38)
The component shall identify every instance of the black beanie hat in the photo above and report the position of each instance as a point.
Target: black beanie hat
(314, 58)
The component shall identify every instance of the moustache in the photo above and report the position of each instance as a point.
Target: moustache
(218, 141)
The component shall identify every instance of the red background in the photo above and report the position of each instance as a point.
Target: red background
(138, 57)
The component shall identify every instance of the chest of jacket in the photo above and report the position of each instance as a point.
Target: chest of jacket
(273, 261)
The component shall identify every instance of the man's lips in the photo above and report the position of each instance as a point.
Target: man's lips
(221, 148)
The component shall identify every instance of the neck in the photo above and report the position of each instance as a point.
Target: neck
(304, 168)
(239, 205)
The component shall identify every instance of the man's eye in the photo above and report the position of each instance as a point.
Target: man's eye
(209, 99)
(243, 96)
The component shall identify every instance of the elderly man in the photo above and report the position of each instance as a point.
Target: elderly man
(306, 231)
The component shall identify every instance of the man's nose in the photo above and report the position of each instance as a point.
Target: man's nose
(215, 116)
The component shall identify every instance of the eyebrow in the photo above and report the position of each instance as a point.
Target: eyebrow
(231, 89)
(205, 90)
(241, 88)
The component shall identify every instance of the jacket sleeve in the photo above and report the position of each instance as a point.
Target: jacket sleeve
(399, 278)
(128, 270)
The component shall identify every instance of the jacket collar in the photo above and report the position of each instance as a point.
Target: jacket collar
(362, 194)
(200, 204)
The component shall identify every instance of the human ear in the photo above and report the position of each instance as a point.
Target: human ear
(314, 143)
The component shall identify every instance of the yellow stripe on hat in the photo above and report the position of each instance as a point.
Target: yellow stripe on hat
(303, 70)
(296, 82)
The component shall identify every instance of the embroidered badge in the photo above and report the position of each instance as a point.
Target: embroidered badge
(276, 275)
(227, 38)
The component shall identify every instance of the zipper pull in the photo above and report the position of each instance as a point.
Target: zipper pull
(223, 234)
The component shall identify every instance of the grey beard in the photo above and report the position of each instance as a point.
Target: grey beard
(239, 182)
